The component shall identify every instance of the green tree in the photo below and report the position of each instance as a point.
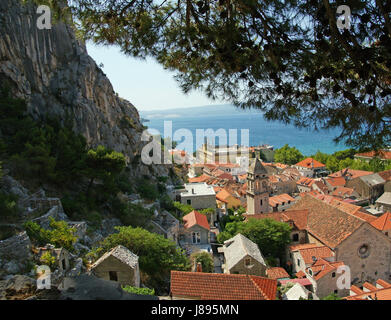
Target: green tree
(139, 291)
(271, 236)
(321, 157)
(158, 256)
(260, 54)
(332, 296)
(332, 164)
(183, 209)
(103, 164)
(288, 155)
(206, 260)
(59, 234)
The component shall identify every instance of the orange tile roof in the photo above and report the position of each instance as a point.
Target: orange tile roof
(301, 274)
(336, 182)
(323, 267)
(277, 273)
(375, 293)
(386, 175)
(342, 192)
(383, 223)
(382, 154)
(196, 218)
(310, 163)
(327, 223)
(223, 195)
(296, 247)
(351, 173)
(217, 286)
(306, 181)
(202, 178)
(369, 286)
(279, 199)
(298, 217)
(318, 252)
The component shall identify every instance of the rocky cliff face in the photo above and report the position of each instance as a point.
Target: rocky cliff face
(52, 71)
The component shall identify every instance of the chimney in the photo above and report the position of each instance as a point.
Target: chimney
(199, 267)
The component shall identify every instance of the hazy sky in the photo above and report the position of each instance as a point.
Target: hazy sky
(144, 83)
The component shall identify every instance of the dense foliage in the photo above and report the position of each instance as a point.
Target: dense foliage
(288, 155)
(297, 60)
(140, 291)
(206, 260)
(59, 234)
(345, 159)
(158, 256)
(271, 236)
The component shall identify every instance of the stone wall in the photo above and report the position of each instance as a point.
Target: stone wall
(375, 264)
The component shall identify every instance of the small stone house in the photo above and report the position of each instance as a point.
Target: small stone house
(196, 231)
(242, 256)
(60, 254)
(120, 265)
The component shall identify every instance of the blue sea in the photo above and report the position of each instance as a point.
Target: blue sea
(228, 117)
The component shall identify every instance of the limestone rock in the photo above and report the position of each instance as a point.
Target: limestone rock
(16, 248)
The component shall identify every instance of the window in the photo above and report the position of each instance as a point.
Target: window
(298, 262)
(336, 291)
(196, 237)
(189, 201)
(295, 237)
(113, 275)
(333, 274)
(363, 251)
(261, 202)
(247, 262)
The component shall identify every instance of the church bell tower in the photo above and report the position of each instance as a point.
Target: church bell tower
(257, 189)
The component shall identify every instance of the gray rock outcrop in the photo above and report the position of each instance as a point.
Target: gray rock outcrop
(52, 71)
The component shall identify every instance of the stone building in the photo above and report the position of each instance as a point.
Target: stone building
(352, 238)
(199, 196)
(120, 265)
(311, 168)
(369, 187)
(257, 189)
(242, 256)
(195, 233)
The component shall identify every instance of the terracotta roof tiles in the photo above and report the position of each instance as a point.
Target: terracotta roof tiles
(196, 218)
(213, 286)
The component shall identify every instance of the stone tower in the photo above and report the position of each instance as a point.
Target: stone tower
(257, 189)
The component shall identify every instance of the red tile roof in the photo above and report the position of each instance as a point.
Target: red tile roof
(202, 178)
(346, 207)
(216, 286)
(196, 218)
(383, 223)
(310, 163)
(327, 223)
(386, 175)
(382, 154)
(280, 199)
(323, 267)
(352, 174)
(303, 281)
(318, 252)
(297, 217)
(375, 293)
(300, 274)
(306, 181)
(342, 192)
(277, 273)
(336, 182)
